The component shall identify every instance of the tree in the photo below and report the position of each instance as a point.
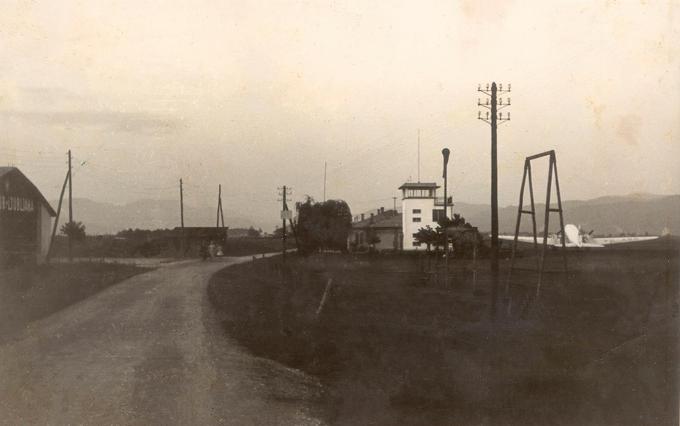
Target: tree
(323, 225)
(427, 236)
(75, 230)
(462, 241)
(252, 232)
(372, 239)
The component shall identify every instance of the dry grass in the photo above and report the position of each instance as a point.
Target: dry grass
(31, 293)
(395, 351)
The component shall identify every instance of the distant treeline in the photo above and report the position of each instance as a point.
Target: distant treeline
(161, 243)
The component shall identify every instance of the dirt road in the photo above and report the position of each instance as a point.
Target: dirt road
(147, 351)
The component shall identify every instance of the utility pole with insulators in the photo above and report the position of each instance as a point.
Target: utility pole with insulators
(70, 207)
(493, 116)
(285, 215)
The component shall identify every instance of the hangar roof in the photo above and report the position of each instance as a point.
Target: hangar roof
(8, 170)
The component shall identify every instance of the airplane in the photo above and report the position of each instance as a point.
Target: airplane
(575, 238)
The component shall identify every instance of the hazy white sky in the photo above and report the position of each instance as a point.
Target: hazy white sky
(255, 95)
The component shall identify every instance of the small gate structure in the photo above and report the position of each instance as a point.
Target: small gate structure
(552, 170)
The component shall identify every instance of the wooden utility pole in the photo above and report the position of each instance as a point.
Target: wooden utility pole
(283, 219)
(325, 165)
(56, 219)
(70, 207)
(445, 155)
(493, 117)
(221, 210)
(220, 213)
(181, 204)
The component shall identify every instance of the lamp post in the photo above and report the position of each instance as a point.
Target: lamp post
(445, 155)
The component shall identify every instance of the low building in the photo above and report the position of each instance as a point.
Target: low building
(25, 220)
(380, 230)
(420, 208)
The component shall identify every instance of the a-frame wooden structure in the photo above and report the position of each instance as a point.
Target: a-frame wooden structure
(540, 260)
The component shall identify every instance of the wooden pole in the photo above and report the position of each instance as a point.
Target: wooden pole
(283, 218)
(545, 230)
(446, 243)
(219, 202)
(221, 209)
(70, 207)
(559, 207)
(494, 204)
(56, 219)
(181, 204)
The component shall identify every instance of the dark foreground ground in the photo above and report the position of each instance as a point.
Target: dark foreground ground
(30, 293)
(392, 348)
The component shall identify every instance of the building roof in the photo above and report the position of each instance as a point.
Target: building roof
(9, 170)
(387, 219)
(393, 221)
(419, 185)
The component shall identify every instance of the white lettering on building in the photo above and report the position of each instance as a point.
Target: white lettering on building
(16, 204)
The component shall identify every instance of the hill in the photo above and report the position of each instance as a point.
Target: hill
(106, 218)
(636, 213)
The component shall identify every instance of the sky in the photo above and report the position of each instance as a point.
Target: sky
(256, 95)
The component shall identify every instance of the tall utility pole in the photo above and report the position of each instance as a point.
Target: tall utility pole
(181, 204)
(325, 164)
(220, 213)
(493, 117)
(70, 207)
(221, 209)
(285, 214)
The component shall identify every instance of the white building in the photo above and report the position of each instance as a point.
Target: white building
(420, 207)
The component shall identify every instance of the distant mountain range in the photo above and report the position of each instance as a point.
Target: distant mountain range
(635, 213)
(106, 218)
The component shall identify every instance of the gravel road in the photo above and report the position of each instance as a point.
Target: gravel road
(148, 351)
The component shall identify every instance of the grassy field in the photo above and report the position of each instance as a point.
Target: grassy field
(31, 293)
(599, 347)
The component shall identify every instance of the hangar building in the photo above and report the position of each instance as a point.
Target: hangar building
(25, 219)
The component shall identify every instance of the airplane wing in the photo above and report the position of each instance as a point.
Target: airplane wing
(621, 240)
(551, 242)
(592, 245)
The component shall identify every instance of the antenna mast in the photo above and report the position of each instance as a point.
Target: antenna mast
(418, 155)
